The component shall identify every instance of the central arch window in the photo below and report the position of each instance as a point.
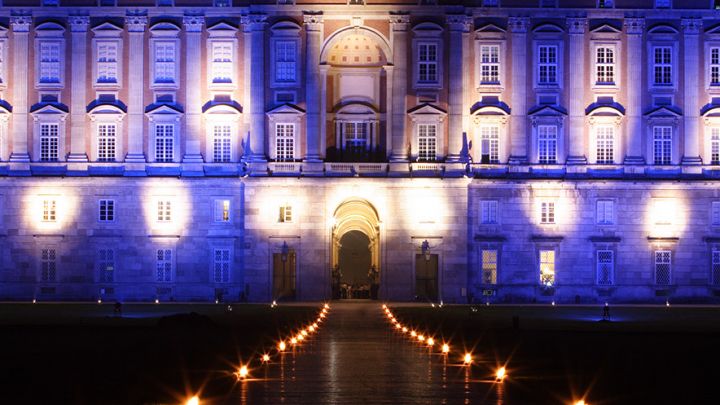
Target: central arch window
(489, 144)
(427, 142)
(285, 142)
(221, 143)
(605, 143)
(355, 136)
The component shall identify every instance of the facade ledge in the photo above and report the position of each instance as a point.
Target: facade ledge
(547, 238)
(490, 238)
(605, 239)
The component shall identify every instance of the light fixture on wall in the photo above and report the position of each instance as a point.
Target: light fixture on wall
(425, 247)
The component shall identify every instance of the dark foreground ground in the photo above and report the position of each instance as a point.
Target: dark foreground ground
(82, 354)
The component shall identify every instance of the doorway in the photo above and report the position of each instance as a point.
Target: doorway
(426, 277)
(284, 276)
(355, 262)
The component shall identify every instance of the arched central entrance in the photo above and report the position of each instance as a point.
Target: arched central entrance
(355, 250)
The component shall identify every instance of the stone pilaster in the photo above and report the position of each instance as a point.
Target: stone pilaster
(459, 25)
(193, 81)
(78, 88)
(136, 85)
(313, 87)
(691, 56)
(634, 28)
(389, 73)
(577, 27)
(20, 27)
(399, 27)
(518, 120)
(254, 28)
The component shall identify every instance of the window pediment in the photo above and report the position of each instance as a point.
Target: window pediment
(605, 27)
(223, 106)
(222, 29)
(664, 115)
(285, 28)
(427, 113)
(5, 108)
(356, 111)
(285, 109)
(547, 115)
(116, 107)
(57, 109)
(49, 29)
(165, 29)
(662, 29)
(490, 28)
(107, 30)
(548, 28)
(427, 29)
(164, 112)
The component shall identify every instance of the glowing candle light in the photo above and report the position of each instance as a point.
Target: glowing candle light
(293, 341)
(553, 303)
(193, 401)
(421, 338)
(397, 326)
(327, 306)
(300, 338)
(500, 373)
(315, 325)
(580, 402)
(430, 342)
(405, 329)
(384, 306)
(667, 303)
(303, 332)
(322, 316)
(445, 348)
(242, 372)
(311, 328)
(281, 346)
(468, 358)
(265, 358)
(413, 334)
(34, 301)
(157, 301)
(99, 301)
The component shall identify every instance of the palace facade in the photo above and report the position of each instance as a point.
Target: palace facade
(484, 151)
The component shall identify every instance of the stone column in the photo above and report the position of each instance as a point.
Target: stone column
(389, 72)
(459, 25)
(78, 88)
(323, 110)
(576, 92)
(518, 98)
(21, 64)
(193, 84)
(468, 92)
(634, 129)
(254, 28)
(399, 25)
(691, 56)
(136, 85)
(313, 83)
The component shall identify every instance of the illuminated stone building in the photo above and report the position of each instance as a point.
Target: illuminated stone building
(485, 150)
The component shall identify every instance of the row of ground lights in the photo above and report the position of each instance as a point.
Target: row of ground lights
(242, 373)
(445, 349)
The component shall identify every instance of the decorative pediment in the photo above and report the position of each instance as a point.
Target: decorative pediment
(222, 107)
(481, 108)
(547, 114)
(165, 29)
(49, 29)
(425, 29)
(662, 29)
(490, 28)
(664, 112)
(107, 29)
(605, 109)
(714, 30)
(285, 28)
(284, 109)
(605, 28)
(360, 111)
(106, 107)
(3, 31)
(425, 110)
(163, 109)
(222, 29)
(549, 28)
(49, 108)
(5, 107)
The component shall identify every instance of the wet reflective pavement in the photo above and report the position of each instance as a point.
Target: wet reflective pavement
(357, 358)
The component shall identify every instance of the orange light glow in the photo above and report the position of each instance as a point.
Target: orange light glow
(468, 358)
(311, 328)
(242, 372)
(293, 341)
(303, 332)
(580, 402)
(500, 373)
(384, 306)
(397, 326)
(265, 358)
(300, 338)
(327, 306)
(445, 348)
(413, 334)
(193, 401)
(404, 329)
(281, 346)
(430, 341)
(421, 338)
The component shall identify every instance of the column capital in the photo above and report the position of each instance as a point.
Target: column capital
(136, 22)
(399, 22)
(20, 23)
(518, 25)
(253, 22)
(313, 22)
(577, 25)
(79, 23)
(691, 26)
(193, 23)
(459, 22)
(634, 25)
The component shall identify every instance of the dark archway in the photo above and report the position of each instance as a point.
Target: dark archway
(355, 260)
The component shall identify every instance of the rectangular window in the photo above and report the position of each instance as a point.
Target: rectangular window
(164, 211)
(547, 144)
(285, 61)
(49, 207)
(106, 210)
(605, 65)
(547, 64)
(221, 265)
(164, 142)
(715, 213)
(165, 62)
(604, 214)
(663, 264)
(285, 142)
(547, 212)
(489, 64)
(50, 62)
(605, 267)
(221, 143)
(427, 63)
(714, 67)
(715, 146)
(222, 60)
(106, 265)
(663, 3)
(164, 265)
(662, 65)
(606, 3)
(222, 210)
(107, 62)
(427, 142)
(489, 144)
(488, 212)
(489, 266)
(106, 142)
(715, 280)
(286, 213)
(48, 265)
(605, 142)
(49, 141)
(662, 145)
(547, 267)
(356, 137)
